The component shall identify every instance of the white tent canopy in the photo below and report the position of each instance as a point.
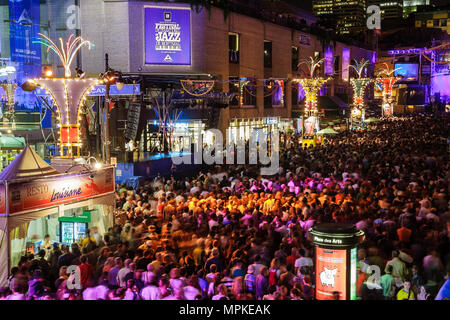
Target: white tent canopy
(26, 165)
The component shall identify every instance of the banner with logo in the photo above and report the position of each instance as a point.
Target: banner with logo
(44, 193)
(331, 274)
(167, 35)
(24, 34)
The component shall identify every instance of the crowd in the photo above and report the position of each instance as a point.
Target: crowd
(229, 233)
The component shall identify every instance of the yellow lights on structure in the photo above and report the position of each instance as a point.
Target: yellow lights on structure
(67, 118)
(48, 72)
(311, 88)
(356, 112)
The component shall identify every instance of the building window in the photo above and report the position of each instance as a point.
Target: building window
(336, 64)
(233, 87)
(267, 54)
(295, 58)
(249, 97)
(233, 45)
(443, 22)
(435, 23)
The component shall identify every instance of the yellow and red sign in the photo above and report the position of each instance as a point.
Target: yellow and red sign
(331, 274)
(44, 193)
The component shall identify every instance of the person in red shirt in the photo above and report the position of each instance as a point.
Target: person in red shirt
(404, 234)
(86, 271)
(290, 260)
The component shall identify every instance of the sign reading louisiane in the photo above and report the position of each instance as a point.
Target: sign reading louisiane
(167, 36)
(43, 193)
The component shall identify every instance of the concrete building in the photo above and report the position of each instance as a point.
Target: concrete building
(232, 50)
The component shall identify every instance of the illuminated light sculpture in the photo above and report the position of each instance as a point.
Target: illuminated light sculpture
(311, 86)
(386, 83)
(68, 94)
(359, 85)
(197, 88)
(10, 89)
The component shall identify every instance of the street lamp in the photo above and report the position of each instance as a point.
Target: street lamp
(109, 77)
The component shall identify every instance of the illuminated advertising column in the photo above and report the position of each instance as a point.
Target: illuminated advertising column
(335, 260)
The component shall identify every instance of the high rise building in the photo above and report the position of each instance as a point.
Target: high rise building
(410, 6)
(350, 15)
(390, 9)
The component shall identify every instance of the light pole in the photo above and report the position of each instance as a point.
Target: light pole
(110, 77)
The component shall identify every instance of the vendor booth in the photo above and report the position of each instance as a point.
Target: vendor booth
(36, 200)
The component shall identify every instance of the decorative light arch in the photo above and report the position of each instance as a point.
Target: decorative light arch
(68, 94)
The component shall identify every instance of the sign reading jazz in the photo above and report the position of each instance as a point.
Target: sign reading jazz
(43, 193)
(167, 35)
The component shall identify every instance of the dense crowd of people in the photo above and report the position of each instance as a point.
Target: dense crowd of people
(229, 233)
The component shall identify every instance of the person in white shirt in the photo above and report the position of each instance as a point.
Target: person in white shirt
(190, 291)
(17, 293)
(222, 293)
(123, 272)
(303, 261)
(151, 291)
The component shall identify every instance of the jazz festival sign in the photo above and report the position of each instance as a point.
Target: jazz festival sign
(167, 35)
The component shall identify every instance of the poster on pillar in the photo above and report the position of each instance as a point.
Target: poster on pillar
(331, 272)
(167, 35)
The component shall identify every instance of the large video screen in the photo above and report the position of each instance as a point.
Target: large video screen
(409, 71)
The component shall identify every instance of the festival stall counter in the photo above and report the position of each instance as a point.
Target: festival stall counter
(36, 200)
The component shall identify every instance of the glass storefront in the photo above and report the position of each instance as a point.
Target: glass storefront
(184, 134)
(242, 128)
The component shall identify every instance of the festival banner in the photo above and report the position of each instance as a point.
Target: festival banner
(331, 271)
(24, 34)
(44, 193)
(167, 35)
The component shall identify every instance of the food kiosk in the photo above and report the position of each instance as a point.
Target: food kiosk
(35, 198)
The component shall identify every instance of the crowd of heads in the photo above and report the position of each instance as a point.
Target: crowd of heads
(230, 233)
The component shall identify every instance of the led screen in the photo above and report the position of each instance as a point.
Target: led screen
(409, 71)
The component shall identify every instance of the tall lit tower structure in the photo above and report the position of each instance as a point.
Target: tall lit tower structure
(68, 93)
(359, 85)
(311, 86)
